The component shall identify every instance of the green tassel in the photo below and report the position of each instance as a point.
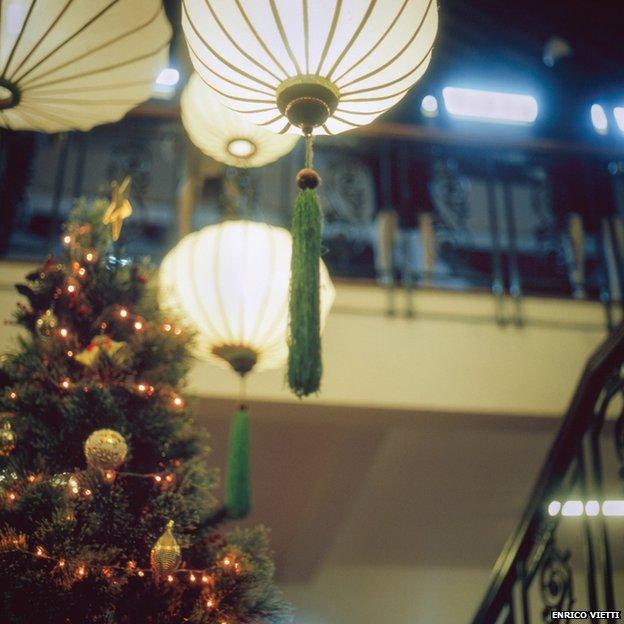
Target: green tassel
(238, 486)
(304, 342)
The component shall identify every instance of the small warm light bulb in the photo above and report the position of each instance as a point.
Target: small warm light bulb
(167, 327)
(70, 354)
(177, 331)
(81, 571)
(178, 402)
(140, 573)
(61, 563)
(123, 313)
(39, 551)
(158, 478)
(71, 288)
(12, 496)
(192, 578)
(138, 325)
(205, 578)
(67, 239)
(31, 478)
(169, 478)
(65, 383)
(64, 332)
(210, 603)
(227, 561)
(89, 256)
(141, 387)
(87, 492)
(82, 271)
(170, 578)
(109, 475)
(12, 396)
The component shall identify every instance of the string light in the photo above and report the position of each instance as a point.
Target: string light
(13, 395)
(70, 353)
(167, 327)
(123, 313)
(82, 271)
(192, 577)
(61, 563)
(178, 402)
(67, 239)
(71, 288)
(210, 603)
(39, 551)
(170, 578)
(109, 475)
(227, 562)
(81, 571)
(64, 333)
(12, 497)
(90, 256)
(65, 383)
(138, 325)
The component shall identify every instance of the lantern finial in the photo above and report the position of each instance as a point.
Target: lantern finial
(307, 101)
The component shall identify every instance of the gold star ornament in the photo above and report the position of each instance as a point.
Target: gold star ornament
(119, 208)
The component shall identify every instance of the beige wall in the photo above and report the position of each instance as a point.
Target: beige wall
(452, 356)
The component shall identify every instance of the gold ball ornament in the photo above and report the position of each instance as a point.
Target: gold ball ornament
(165, 556)
(8, 440)
(105, 449)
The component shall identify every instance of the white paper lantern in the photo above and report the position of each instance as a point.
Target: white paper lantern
(325, 64)
(76, 64)
(229, 282)
(226, 136)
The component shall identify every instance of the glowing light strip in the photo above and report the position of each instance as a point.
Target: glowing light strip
(491, 106)
(576, 508)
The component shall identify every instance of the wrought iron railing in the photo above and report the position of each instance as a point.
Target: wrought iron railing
(535, 574)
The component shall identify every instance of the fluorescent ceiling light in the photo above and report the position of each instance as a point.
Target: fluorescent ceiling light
(599, 119)
(618, 113)
(490, 106)
(429, 106)
(168, 77)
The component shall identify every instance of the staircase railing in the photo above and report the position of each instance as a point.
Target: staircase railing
(532, 557)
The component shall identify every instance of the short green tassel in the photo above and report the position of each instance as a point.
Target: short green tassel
(304, 342)
(238, 486)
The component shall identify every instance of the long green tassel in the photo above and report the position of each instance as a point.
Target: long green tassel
(238, 486)
(304, 358)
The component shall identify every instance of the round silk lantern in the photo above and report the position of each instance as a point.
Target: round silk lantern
(74, 64)
(322, 65)
(229, 282)
(310, 67)
(227, 136)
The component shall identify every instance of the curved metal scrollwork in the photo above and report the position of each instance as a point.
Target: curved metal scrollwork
(556, 586)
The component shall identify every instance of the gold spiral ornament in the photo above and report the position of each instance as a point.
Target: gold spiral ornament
(165, 555)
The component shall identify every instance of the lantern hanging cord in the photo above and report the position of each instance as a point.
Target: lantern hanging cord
(309, 150)
(242, 392)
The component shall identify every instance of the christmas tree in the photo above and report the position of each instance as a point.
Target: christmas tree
(108, 512)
